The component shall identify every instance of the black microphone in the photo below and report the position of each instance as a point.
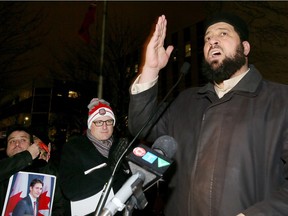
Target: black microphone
(147, 165)
(165, 145)
(153, 162)
(183, 71)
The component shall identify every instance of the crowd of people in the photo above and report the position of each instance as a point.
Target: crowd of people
(231, 133)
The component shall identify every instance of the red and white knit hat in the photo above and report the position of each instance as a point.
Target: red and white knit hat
(97, 108)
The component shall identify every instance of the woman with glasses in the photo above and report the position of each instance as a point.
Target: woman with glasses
(87, 161)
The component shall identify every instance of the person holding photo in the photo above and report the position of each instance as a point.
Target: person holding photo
(23, 154)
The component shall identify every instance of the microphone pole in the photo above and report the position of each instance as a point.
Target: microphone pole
(107, 188)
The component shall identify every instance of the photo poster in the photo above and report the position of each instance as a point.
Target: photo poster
(18, 188)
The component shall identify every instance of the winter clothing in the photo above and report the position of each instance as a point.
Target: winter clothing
(23, 162)
(80, 155)
(232, 152)
(99, 107)
(239, 24)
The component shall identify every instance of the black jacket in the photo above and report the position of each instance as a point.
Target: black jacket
(232, 152)
(23, 162)
(80, 155)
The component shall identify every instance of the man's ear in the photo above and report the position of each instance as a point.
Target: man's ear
(246, 46)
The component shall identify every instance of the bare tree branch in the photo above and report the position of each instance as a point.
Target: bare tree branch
(19, 34)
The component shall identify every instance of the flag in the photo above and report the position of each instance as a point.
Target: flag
(87, 22)
(45, 197)
(19, 191)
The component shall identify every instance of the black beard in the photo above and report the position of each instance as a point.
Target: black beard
(226, 69)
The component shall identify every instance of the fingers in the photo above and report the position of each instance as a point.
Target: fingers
(160, 30)
(45, 151)
(169, 50)
(34, 150)
(163, 31)
(156, 56)
(44, 156)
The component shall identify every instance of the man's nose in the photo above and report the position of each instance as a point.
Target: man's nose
(17, 142)
(213, 40)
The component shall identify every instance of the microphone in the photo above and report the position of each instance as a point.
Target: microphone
(147, 165)
(185, 68)
(153, 162)
(183, 71)
(165, 145)
(117, 202)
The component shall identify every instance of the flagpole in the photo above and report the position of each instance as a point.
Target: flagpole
(100, 82)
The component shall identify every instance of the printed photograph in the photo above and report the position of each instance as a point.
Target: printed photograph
(29, 194)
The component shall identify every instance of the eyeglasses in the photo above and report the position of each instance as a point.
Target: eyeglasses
(99, 123)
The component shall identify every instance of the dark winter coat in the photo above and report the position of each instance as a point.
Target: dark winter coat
(80, 155)
(23, 162)
(232, 152)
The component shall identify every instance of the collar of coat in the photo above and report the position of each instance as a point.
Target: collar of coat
(247, 86)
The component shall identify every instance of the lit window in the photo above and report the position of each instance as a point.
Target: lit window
(187, 50)
(73, 94)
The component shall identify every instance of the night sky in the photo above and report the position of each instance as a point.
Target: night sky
(63, 20)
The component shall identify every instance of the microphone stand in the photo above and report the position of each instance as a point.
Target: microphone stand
(107, 188)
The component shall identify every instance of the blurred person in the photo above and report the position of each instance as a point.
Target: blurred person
(29, 204)
(232, 133)
(45, 148)
(88, 160)
(25, 155)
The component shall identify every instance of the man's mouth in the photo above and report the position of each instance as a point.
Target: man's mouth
(214, 53)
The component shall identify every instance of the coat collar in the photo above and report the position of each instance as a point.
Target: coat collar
(247, 85)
